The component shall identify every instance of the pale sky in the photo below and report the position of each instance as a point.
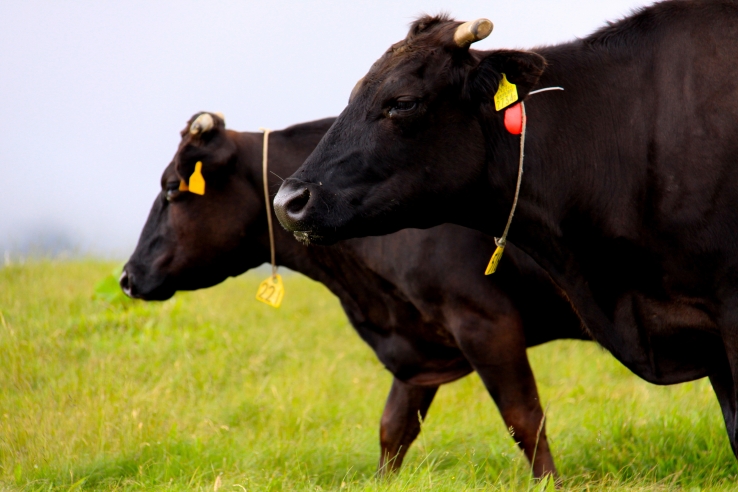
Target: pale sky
(93, 94)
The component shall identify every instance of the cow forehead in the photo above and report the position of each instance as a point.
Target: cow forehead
(393, 65)
(377, 88)
(410, 59)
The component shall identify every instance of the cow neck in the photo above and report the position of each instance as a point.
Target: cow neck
(571, 149)
(270, 153)
(325, 264)
(573, 134)
(267, 156)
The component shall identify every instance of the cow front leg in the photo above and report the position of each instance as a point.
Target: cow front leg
(722, 384)
(724, 373)
(514, 391)
(497, 351)
(723, 378)
(406, 405)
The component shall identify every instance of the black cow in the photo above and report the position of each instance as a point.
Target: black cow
(416, 297)
(629, 197)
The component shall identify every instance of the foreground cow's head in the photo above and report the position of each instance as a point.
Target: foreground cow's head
(410, 142)
(192, 241)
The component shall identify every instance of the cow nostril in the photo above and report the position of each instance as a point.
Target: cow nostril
(297, 202)
(125, 283)
(292, 204)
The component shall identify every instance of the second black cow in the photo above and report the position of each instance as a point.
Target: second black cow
(417, 297)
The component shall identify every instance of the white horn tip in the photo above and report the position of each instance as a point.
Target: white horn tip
(202, 124)
(472, 31)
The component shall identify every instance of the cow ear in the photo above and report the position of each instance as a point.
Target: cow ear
(215, 150)
(522, 68)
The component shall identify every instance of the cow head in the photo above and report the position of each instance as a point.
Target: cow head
(192, 241)
(414, 139)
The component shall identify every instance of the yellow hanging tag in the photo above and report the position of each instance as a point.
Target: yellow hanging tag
(271, 291)
(183, 186)
(197, 182)
(507, 94)
(495, 260)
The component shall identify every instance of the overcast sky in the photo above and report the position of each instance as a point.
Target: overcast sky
(93, 94)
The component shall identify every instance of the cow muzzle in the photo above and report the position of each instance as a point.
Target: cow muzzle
(309, 211)
(140, 286)
(294, 204)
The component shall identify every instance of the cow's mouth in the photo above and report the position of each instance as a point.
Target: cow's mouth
(133, 286)
(310, 237)
(303, 237)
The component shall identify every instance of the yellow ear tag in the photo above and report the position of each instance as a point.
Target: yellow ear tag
(271, 291)
(494, 261)
(507, 94)
(197, 182)
(183, 185)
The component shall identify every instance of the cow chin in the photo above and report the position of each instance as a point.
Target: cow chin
(156, 295)
(149, 289)
(333, 231)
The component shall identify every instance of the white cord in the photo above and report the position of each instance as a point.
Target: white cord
(545, 89)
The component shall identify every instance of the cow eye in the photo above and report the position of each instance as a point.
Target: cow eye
(402, 107)
(172, 190)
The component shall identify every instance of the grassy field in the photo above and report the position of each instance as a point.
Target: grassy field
(213, 390)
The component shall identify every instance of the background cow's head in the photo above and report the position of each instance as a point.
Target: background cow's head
(192, 241)
(410, 144)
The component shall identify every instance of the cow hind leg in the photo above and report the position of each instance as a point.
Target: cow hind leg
(407, 405)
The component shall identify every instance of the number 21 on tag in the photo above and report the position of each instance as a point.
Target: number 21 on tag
(271, 291)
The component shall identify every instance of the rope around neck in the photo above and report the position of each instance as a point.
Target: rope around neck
(502, 241)
(265, 173)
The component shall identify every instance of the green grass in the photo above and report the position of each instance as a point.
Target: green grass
(213, 386)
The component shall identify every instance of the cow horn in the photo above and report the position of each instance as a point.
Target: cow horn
(220, 115)
(202, 124)
(472, 31)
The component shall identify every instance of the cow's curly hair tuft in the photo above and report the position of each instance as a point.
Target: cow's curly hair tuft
(426, 22)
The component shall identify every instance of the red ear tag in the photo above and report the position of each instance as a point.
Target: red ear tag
(514, 119)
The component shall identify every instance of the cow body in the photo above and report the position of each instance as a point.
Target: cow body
(643, 239)
(416, 297)
(629, 197)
